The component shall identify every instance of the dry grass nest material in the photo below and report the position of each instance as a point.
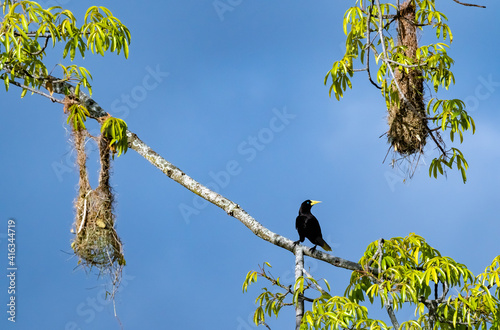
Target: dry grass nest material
(96, 242)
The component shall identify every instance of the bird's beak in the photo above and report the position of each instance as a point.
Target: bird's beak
(314, 202)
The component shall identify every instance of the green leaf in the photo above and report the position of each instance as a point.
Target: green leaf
(327, 284)
(125, 49)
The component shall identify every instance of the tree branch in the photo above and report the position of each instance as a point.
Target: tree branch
(432, 304)
(380, 256)
(445, 292)
(468, 4)
(265, 324)
(229, 206)
(299, 266)
(36, 91)
(173, 172)
(387, 303)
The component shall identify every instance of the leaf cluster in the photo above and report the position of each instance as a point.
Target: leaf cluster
(369, 27)
(407, 270)
(339, 313)
(115, 129)
(268, 302)
(450, 115)
(402, 271)
(26, 29)
(77, 115)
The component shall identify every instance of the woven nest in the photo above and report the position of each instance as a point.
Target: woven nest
(96, 243)
(408, 128)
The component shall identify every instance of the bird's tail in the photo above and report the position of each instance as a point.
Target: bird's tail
(324, 245)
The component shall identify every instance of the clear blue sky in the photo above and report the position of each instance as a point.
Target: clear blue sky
(200, 88)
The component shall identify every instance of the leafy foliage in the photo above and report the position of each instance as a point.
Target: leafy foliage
(25, 32)
(402, 271)
(367, 18)
(27, 28)
(77, 115)
(269, 303)
(115, 129)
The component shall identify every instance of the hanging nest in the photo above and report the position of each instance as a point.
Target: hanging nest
(96, 243)
(408, 128)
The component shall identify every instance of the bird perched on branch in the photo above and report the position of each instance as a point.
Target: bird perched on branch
(308, 226)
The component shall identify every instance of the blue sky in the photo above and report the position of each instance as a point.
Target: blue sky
(199, 87)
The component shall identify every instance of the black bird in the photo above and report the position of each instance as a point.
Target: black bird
(308, 226)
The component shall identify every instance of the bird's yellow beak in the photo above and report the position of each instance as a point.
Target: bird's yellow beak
(314, 202)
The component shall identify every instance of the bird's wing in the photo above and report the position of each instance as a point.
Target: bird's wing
(313, 227)
(300, 222)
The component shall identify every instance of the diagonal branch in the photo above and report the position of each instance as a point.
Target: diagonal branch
(468, 4)
(437, 143)
(229, 206)
(173, 172)
(36, 91)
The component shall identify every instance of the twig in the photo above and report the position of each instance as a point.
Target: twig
(404, 65)
(437, 143)
(271, 279)
(42, 49)
(384, 50)
(320, 289)
(265, 324)
(468, 4)
(368, 47)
